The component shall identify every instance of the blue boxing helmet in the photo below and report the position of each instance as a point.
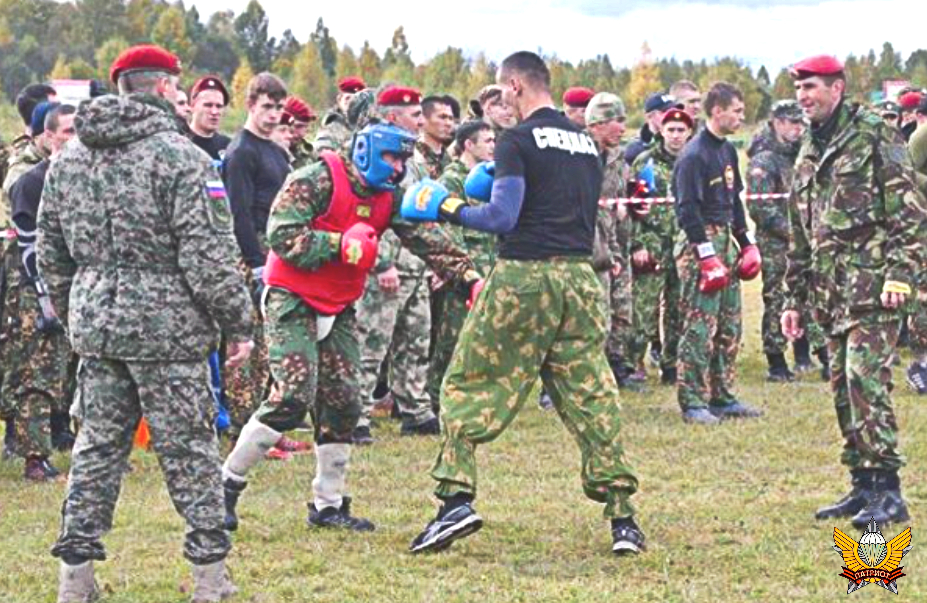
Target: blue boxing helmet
(369, 146)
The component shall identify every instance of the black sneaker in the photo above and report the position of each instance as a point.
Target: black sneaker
(361, 436)
(916, 376)
(428, 428)
(451, 524)
(627, 538)
(341, 518)
(734, 410)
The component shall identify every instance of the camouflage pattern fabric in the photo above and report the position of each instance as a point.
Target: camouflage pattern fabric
(310, 376)
(175, 399)
(711, 327)
(480, 246)
(333, 134)
(486, 387)
(614, 181)
(303, 154)
(136, 245)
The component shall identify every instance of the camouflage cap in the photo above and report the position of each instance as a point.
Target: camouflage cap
(787, 109)
(360, 108)
(603, 107)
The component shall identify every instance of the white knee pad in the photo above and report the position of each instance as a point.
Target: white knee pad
(330, 474)
(253, 443)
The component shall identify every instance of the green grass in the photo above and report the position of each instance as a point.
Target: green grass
(727, 511)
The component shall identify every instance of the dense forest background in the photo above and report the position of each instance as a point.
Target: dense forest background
(46, 39)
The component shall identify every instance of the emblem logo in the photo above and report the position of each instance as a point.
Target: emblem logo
(872, 560)
(729, 177)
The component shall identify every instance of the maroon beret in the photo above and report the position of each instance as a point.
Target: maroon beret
(298, 109)
(145, 57)
(351, 84)
(678, 115)
(578, 97)
(209, 82)
(822, 64)
(398, 96)
(910, 100)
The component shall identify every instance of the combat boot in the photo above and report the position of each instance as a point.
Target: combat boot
(233, 489)
(853, 501)
(76, 583)
(778, 370)
(824, 358)
(883, 501)
(668, 375)
(801, 351)
(212, 583)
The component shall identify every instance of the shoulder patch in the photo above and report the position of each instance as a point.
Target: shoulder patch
(218, 210)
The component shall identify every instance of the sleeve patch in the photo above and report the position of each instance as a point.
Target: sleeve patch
(218, 210)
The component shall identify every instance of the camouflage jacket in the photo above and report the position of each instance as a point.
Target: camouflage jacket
(307, 194)
(613, 236)
(135, 238)
(770, 172)
(917, 145)
(656, 231)
(856, 221)
(480, 246)
(23, 154)
(303, 154)
(334, 132)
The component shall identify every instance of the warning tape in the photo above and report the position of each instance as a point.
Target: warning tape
(669, 200)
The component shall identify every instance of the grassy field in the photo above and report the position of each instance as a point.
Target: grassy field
(727, 510)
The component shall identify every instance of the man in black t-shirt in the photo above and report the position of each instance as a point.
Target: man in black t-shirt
(209, 98)
(540, 315)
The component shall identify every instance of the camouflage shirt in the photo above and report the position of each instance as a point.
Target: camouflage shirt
(307, 195)
(656, 231)
(334, 132)
(856, 220)
(613, 236)
(770, 171)
(23, 154)
(135, 238)
(303, 154)
(480, 246)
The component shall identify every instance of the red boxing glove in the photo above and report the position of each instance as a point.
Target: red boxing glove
(714, 275)
(359, 246)
(750, 262)
(475, 290)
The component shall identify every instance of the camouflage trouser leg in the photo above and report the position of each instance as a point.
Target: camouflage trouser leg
(535, 319)
(861, 375)
(449, 310)
(672, 317)
(246, 385)
(645, 295)
(817, 339)
(711, 329)
(10, 335)
(175, 399)
(775, 265)
(318, 377)
(619, 332)
(917, 324)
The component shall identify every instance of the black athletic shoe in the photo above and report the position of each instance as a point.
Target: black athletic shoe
(428, 428)
(232, 490)
(341, 518)
(451, 524)
(734, 410)
(627, 538)
(361, 436)
(916, 376)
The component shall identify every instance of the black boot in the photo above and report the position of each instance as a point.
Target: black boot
(233, 489)
(824, 358)
(9, 441)
(853, 501)
(884, 503)
(801, 351)
(778, 370)
(62, 438)
(668, 375)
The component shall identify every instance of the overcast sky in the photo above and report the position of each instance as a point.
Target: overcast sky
(774, 33)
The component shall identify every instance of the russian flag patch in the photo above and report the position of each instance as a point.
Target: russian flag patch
(215, 189)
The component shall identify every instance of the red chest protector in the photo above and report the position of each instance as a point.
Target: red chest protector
(335, 285)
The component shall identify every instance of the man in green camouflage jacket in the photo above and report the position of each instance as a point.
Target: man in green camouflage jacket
(857, 222)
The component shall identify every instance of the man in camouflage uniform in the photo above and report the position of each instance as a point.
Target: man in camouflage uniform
(857, 224)
(474, 142)
(711, 217)
(916, 375)
(297, 115)
(136, 245)
(654, 236)
(334, 128)
(605, 120)
(772, 159)
(323, 235)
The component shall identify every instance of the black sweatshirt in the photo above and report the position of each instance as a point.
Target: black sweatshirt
(254, 171)
(25, 195)
(707, 187)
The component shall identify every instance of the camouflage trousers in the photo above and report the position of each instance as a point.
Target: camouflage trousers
(861, 379)
(671, 316)
(246, 385)
(396, 326)
(646, 290)
(175, 399)
(448, 313)
(310, 376)
(711, 327)
(36, 380)
(917, 324)
(620, 310)
(535, 319)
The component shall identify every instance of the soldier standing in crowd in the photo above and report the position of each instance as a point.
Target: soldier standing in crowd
(652, 244)
(706, 188)
(916, 375)
(857, 234)
(575, 101)
(656, 105)
(543, 300)
(323, 235)
(907, 104)
(209, 98)
(334, 129)
(689, 98)
(489, 106)
(772, 159)
(37, 362)
(141, 269)
(297, 116)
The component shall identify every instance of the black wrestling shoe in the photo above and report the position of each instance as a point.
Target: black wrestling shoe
(452, 523)
(627, 538)
(340, 518)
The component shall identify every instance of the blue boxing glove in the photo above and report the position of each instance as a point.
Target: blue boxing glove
(428, 201)
(479, 181)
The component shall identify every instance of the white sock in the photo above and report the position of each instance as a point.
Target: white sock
(331, 470)
(253, 443)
